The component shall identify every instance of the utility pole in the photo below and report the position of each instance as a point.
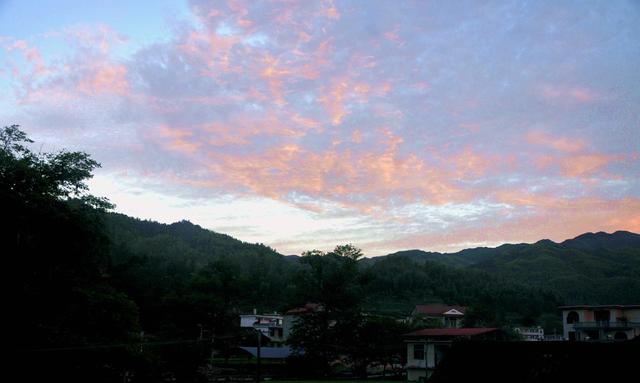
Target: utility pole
(258, 355)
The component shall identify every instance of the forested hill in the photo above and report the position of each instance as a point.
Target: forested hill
(591, 268)
(191, 241)
(179, 273)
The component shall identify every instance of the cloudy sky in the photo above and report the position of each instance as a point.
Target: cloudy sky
(392, 125)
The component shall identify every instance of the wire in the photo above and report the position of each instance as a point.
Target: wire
(117, 345)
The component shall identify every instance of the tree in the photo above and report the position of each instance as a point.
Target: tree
(332, 281)
(55, 240)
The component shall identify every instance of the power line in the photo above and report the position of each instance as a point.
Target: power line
(117, 345)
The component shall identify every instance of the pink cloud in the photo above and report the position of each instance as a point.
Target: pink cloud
(544, 162)
(88, 70)
(356, 137)
(562, 144)
(469, 164)
(342, 175)
(584, 164)
(178, 140)
(32, 55)
(107, 78)
(333, 101)
(578, 94)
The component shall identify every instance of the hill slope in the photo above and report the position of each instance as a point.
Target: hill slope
(591, 268)
(163, 263)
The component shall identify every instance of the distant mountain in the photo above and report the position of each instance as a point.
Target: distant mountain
(602, 240)
(591, 268)
(202, 244)
(158, 260)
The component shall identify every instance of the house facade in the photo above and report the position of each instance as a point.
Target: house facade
(427, 347)
(530, 334)
(441, 315)
(600, 323)
(270, 325)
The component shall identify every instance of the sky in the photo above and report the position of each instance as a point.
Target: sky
(436, 125)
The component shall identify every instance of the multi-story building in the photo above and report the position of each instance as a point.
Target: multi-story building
(600, 323)
(270, 325)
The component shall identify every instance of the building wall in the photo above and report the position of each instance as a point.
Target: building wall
(632, 315)
(420, 368)
(430, 355)
(566, 327)
(588, 315)
(247, 320)
(415, 363)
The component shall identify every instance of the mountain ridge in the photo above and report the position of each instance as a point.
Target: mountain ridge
(590, 268)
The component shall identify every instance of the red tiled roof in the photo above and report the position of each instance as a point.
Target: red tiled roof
(304, 309)
(451, 331)
(437, 309)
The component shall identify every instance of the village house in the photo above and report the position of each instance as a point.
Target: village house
(427, 347)
(440, 315)
(270, 325)
(600, 323)
(530, 334)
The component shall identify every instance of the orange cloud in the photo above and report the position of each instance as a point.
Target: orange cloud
(178, 140)
(356, 136)
(356, 179)
(562, 144)
(331, 11)
(469, 164)
(585, 164)
(543, 162)
(333, 101)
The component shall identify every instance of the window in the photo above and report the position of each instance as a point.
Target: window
(572, 317)
(602, 315)
(418, 351)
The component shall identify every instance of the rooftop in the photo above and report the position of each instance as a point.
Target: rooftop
(437, 309)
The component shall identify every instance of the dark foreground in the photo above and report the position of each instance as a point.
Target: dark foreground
(466, 361)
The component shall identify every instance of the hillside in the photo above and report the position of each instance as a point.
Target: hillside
(176, 273)
(156, 260)
(591, 268)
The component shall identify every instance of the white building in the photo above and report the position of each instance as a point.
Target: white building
(427, 347)
(270, 325)
(530, 334)
(600, 323)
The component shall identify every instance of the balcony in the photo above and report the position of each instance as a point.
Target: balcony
(621, 325)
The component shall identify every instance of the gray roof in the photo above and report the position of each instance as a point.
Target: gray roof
(269, 352)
